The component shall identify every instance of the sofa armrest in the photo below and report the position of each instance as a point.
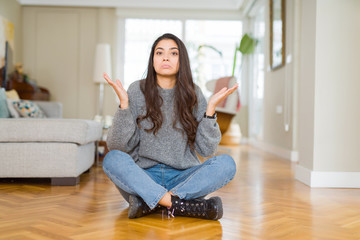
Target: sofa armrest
(51, 109)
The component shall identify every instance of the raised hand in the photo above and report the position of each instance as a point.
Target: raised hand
(218, 97)
(120, 91)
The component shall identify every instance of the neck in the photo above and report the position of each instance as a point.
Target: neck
(166, 82)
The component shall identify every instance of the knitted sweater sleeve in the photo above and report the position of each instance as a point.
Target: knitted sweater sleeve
(208, 134)
(123, 135)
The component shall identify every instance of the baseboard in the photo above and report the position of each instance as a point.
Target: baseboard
(294, 156)
(303, 174)
(278, 151)
(316, 179)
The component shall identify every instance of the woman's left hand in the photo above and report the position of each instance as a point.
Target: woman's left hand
(218, 97)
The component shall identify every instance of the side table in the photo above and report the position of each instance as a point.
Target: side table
(101, 151)
(101, 148)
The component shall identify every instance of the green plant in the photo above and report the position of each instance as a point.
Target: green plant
(247, 46)
(211, 47)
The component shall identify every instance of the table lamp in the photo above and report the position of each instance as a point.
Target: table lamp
(102, 64)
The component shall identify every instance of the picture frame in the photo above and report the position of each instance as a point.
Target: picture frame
(277, 34)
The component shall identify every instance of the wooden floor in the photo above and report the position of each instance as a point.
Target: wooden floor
(262, 202)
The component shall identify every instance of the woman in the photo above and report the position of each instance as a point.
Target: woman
(162, 121)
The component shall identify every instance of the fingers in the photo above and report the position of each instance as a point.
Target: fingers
(107, 78)
(231, 90)
(222, 91)
(221, 95)
(118, 83)
(226, 92)
(235, 86)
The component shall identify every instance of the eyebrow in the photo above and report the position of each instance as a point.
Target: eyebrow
(163, 48)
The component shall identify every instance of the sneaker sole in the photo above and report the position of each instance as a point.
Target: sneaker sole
(133, 206)
(220, 208)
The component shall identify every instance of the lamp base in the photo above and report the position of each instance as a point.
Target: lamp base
(101, 98)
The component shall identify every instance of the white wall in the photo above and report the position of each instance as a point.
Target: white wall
(11, 10)
(278, 92)
(307, 83)
(327, 85)
(329, 129)
(59, 50)
(337, 86)
(277, 87)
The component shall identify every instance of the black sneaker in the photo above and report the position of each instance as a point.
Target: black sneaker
(138, 208)
(210, 209)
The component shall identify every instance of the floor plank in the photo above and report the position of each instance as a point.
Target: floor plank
(262, 202)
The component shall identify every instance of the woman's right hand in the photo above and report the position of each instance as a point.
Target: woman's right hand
(120, 91)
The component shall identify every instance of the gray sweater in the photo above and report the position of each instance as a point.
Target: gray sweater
(168, 146)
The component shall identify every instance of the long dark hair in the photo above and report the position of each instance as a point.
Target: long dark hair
(185, 94)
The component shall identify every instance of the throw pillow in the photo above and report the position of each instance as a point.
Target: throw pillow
(4, 111)
(12, 94)
(12, 110)
(28, 109)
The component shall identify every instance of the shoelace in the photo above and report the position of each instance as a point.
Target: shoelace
(170, 213)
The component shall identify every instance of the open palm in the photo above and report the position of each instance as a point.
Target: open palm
(221, 95)
(120, 91)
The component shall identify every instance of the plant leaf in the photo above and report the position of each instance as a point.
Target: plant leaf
(247, 44)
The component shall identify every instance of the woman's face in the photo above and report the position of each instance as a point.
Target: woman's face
(166, 58)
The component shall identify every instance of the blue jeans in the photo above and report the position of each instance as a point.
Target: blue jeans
(151, 184)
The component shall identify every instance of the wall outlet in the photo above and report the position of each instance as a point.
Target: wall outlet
(288, 58)
(279, 109)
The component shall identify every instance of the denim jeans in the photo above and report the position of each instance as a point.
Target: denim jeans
(151, 184)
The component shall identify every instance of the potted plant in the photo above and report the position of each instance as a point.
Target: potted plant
(247, 46)
(227, 109)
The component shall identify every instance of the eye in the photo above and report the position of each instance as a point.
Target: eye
(174, 53)
(158, 53)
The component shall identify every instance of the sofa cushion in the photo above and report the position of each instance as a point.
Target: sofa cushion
(12, 110)
(51, 109)
(28, 109)
(12, 94)
(77, 131)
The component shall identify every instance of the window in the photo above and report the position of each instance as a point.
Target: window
(206, 63)
(139, 36)
(256, 98)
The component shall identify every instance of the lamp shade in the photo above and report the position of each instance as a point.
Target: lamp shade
(102, 62)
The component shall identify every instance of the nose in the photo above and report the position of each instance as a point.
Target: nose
(166, 57)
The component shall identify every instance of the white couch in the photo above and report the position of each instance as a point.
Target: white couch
(56, 148)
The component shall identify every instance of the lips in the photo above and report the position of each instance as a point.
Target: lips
(165, 66)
